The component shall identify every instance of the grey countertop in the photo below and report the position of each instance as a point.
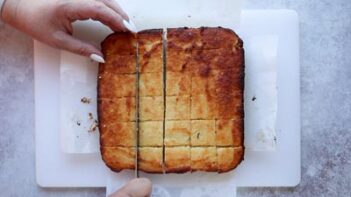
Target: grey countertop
(325, 31)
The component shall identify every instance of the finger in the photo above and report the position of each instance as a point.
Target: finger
(67, 42)
(97, 11)
(116, 7)
(139, 187)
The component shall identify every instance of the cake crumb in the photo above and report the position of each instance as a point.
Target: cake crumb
(94, 126)
(90, 116)
(85, 100)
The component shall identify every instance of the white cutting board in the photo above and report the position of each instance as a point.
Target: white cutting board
(279, 168)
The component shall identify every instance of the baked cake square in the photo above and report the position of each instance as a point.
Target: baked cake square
(203, 133)
(119, 64)
(151, 133)
(116, 110)
(204, 158)
(118, 158)
(117, 85)
(151, 84)
(228, 132)
(229, 158)
(150, 159)
(177, 159)
(203, 106)
(177, 133)
(151, 108)
(118, 134)
(177, 61)
(177, 107)
(178, 83)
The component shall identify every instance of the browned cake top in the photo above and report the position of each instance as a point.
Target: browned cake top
(150, 38)
(150, 51)
(201, 38)
(119, 50)
(186, 86)
(119, 44)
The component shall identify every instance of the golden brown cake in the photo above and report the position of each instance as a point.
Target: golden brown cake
(177, 133)
(204, 159)
(229, 157)
(177, 159)
(178, 95)
(151, 134)
(119, 134)
(150, 159)
(118, 158)
(117, 88)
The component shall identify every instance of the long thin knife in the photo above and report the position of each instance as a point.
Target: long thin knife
(136, 169)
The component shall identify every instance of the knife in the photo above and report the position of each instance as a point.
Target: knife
(136, 164)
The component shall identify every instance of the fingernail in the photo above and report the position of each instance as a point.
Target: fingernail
(133, 25)
(130, 26)
(97, 58)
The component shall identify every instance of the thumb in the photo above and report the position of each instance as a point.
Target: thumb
(63, 40)
(140, 187)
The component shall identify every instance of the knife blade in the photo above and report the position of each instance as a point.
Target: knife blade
(136, 164)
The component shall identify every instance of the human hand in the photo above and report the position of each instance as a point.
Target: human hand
(50, 21)
(140, 187)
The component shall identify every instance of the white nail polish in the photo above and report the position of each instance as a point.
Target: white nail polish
(97, 58)
(133, 25)
(130, 26)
